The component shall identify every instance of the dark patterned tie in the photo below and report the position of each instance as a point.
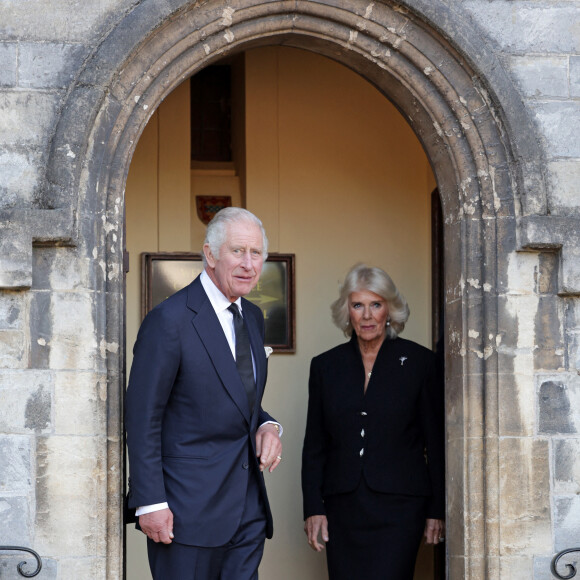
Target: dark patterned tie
(244, 355)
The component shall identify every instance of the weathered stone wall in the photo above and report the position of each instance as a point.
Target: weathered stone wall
(53, 378)
(515, 426)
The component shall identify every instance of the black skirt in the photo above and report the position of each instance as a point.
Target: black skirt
(373, 536)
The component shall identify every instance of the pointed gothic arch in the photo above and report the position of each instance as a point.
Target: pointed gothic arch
(468, 133)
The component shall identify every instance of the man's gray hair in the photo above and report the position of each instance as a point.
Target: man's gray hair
(217, 229)
(360, 278)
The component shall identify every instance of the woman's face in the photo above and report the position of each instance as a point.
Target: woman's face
(368, 314)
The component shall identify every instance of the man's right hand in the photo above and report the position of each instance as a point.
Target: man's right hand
(158, 525)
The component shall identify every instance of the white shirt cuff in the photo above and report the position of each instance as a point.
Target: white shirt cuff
(275, 423)
(147, 509)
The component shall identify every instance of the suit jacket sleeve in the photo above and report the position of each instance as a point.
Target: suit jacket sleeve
(155, 365)
(314, 449)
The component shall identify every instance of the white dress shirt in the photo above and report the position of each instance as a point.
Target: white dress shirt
(220, 305)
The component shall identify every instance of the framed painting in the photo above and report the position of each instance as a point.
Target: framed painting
(164, 273)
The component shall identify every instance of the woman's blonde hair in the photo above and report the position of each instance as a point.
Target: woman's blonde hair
(360, 278)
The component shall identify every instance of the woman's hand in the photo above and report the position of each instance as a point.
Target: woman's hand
(312, 527)
(434, 531)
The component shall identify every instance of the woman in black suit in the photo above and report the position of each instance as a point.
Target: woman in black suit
(373, 457)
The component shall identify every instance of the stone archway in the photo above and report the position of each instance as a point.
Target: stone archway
(465, 129)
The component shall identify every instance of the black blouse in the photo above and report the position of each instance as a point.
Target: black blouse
(393, 434)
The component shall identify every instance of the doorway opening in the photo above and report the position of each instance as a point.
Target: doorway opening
(349, 182)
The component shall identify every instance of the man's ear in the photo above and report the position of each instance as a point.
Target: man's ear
(209, 257)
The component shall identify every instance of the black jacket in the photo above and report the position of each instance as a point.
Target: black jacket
(393, 434)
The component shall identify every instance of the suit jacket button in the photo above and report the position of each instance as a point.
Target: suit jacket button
(245, 465)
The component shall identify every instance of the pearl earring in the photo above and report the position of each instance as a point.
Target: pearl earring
(388, 322)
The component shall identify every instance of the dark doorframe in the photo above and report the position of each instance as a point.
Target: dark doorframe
(438, 330)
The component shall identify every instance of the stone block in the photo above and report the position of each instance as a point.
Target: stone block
(523, 26)
(574, 76)
(15, 257)
(456, 566)
(82, 407)
(40, 329)
(558, 403)
(498, 201)
(555, 233)
(455, 505)
(566, 466)
(19, 228)
(516, 337)
(566, 522)
(76, 568)
(506, 235)
(71, 496)
(15, 517)
(69, 143)
(516, 405)
(547, 274)
(73, 341)
(572, 333)
(26, 401)
(525, 523)
(19, 175)
(454, 402)
(13, 310)
(13, 349)
(541, 76)
(8, 63)
(514, 568)
(474, 488)
(506, 339)
(59, 21)
(558, 121)
(550, 351)
(563, 176)
(9, 566)
(132, 28)
(16, 467)
(49, 65)
(522, 268)
(570, 260)
(542, 568)
(57, 268)
(27, 117)
(474, 406)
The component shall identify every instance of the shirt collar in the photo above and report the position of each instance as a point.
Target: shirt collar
(218, 301)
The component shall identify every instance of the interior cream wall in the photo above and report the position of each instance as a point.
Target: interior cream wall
(337, 177)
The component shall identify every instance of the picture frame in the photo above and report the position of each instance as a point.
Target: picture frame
(164, 273)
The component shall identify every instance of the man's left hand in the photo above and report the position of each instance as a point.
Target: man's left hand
(268, 447)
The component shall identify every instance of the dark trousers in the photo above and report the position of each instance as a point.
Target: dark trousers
(237, 560)
(373, 536)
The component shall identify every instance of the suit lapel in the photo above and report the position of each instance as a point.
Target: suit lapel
(210, 332)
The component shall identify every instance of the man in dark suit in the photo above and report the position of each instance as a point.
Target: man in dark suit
(197, 436)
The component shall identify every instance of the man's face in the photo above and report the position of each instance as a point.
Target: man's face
(240, 262)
